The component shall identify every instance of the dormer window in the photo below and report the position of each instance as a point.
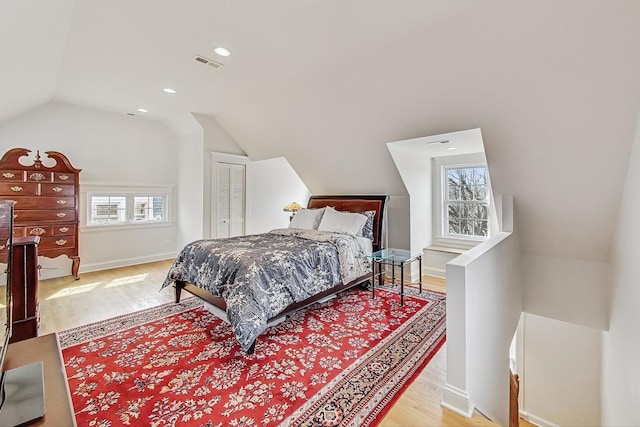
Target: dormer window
(462, 195)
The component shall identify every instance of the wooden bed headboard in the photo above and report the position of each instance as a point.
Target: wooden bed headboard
(359, 203)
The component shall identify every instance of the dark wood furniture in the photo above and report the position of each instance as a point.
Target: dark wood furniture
(45, 349)
(347, 203)
(25, 314)
(47, 200)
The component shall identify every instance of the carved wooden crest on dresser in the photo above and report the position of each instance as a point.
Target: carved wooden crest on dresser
(46, 202)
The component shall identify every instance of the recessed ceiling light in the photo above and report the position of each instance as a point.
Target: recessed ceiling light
(143, 110)
(451, 148)
(222, 51)
(169, 90)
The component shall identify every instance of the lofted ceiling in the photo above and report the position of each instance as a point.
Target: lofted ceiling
(553, 84)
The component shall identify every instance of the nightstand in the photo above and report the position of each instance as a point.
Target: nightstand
(394, 258)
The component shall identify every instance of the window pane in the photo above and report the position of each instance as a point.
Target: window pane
(466, 227)
(454, 226)
(480, 176)
(148, 208)
(480, 228)
(454, 192)
(453, 177)
(481, 211)
(455, 210)
(158, 207)
(479, 192)
(108, 209)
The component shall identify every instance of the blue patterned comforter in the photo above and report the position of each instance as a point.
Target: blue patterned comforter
(260, 275)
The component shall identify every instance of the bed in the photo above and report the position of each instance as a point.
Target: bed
(256, 281)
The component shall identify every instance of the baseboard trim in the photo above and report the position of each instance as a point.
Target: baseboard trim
(533, 419)
(87, 268)
(436, 272)
(457, 400)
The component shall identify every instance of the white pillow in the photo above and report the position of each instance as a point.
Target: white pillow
(341, 222)
(307, 219)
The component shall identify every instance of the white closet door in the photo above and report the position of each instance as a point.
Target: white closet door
(230, 206)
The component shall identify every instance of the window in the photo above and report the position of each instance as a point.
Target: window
(466, 201)
(127, 206)
(462, 195)
(108, 209)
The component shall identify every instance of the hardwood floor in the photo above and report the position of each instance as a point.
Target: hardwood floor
(66, 303)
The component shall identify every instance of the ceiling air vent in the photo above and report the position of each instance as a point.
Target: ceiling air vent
(207, 61)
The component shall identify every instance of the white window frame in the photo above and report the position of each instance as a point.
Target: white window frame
(89, 191)
(440, 229)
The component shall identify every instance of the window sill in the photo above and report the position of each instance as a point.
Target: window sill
(445, 249)
(94, 228)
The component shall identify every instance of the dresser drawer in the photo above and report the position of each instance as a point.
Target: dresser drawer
(38, 176)
(35, 215)
(46, 230)
(56, 190)
(39, 202)
(60, 242)
(63, 230)
(18, 189)
(12, 175)
(64, 178)
(44, 202)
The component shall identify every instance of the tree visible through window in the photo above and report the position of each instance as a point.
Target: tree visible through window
(467, 201)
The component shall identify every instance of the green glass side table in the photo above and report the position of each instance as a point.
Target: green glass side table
(394, 258)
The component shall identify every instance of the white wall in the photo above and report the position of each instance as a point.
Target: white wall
(215, 139)
(414, 166)
(274, 184)
(560, 381)
(111, 149)
(621, 345)
(434, 262)
(189, 164)
(484, 302)
(567, 289)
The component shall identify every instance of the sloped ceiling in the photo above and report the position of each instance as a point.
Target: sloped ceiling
(553, 84)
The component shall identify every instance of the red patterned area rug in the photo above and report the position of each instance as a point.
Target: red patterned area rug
(342, 362)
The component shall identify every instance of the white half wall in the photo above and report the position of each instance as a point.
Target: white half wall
(111, 149)
(621, 345)
(484, 303)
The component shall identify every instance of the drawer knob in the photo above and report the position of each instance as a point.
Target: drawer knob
(57, 189)
(16, 188)
(61, 202)
(61, 214)
(37, 176)
(64, 177)
(63, 229)
(9, 175)
(38, 231)
(61, 242)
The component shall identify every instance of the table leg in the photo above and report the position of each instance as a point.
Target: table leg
(373, 279)
(401, 284)
(420, 271)
(393, 273)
